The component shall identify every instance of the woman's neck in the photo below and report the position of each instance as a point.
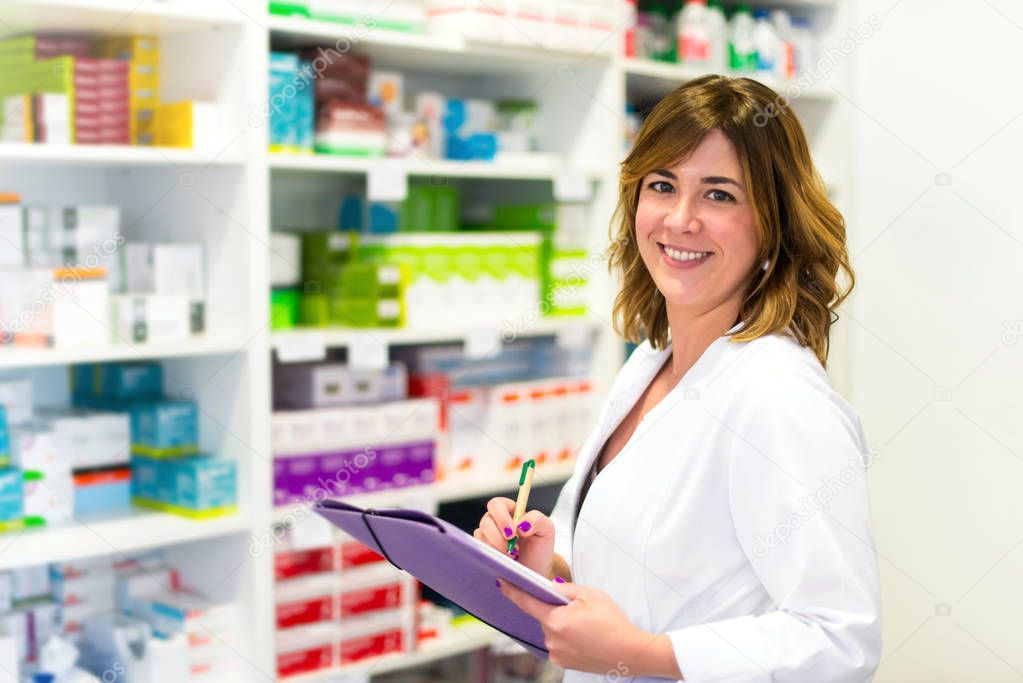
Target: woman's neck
(691, 334)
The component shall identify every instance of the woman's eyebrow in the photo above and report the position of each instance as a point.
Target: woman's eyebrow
(720, 180)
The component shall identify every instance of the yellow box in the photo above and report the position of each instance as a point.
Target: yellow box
(143, 49)
(143, 76)
(174, 124)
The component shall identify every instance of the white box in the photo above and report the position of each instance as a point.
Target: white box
(94, 439)
(142, 318)
(83, 235)
(63, 307)
(16, 398)
(285, 259)
(12, 236)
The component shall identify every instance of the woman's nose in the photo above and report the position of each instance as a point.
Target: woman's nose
(682, 217)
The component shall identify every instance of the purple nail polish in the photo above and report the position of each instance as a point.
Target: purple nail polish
(558, 579)
(507, 532)
(525, 526)
(498, 583)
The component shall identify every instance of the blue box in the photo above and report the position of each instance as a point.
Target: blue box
(165, 428)
(11, 498)
(197, 486)
(5, 439)
(121, 381)
(102, 491)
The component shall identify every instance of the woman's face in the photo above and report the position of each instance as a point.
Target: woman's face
(694, 226)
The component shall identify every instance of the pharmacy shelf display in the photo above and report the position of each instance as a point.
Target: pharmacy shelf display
(231, 195)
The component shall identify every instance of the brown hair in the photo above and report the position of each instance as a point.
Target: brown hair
(798, 228)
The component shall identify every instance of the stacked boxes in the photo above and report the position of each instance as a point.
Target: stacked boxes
(338, 603)
(161, 292)
(566, 268)
(334, 451)
(141, 55)
(167, 471)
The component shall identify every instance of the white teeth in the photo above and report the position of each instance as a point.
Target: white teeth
(684, 255)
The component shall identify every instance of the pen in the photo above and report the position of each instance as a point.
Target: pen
(525, 483)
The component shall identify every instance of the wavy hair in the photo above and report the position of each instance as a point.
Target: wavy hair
(798, 229)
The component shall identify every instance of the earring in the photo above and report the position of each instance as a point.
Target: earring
(766, 264)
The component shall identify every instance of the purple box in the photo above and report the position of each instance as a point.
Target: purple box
(336, 474)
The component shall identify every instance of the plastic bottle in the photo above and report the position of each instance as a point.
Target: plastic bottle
(742, 50)
(694, 39)
(766, 42)
(718, 62)
(785, 67)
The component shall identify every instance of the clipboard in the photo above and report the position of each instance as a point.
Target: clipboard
(451, 562)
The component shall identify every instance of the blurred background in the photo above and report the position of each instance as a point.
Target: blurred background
(256, 255)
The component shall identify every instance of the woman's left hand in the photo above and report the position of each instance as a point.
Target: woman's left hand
(593, 634)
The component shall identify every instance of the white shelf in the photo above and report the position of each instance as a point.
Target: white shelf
(119, 17)
(313, 338)
(542, 167)
(14, 357)
(651, 78)
(139, 530)
(428, 52)
(111, 155)
(462, 639)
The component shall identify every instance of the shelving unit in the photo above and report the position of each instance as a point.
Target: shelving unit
(119, 535)
(218, 49)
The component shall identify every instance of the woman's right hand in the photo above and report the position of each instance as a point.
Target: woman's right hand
(535, 547)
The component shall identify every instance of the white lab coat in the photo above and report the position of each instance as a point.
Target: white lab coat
(735, 519)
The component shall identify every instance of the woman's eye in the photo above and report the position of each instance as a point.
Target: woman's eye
(661, 186)
(720, 196)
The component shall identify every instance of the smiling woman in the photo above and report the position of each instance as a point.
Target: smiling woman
(711, 530)
(750, 181)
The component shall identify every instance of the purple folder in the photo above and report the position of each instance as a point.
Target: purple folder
(451, 562)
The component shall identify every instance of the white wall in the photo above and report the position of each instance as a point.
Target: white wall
(934, 374)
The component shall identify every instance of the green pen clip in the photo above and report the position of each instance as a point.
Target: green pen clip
(526, 466)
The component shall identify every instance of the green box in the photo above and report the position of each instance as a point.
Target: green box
(284, 308)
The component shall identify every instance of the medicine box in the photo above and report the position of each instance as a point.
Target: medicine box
(119, 381)
(298, 386)
(102, 491)
(164, 428)
(196, 486)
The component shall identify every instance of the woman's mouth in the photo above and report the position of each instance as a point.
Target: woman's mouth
(679, 258)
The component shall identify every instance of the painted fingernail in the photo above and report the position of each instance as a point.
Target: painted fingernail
(508, 532)
(558, 579)
(498, 583)
(525, 526)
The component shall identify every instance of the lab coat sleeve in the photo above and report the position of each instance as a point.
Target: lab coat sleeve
(798, 497)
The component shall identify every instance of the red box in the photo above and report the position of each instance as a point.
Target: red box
(306, 611)
(362, 600)
(363, 647)
(355, 554)
(290, 564)
(303, 661)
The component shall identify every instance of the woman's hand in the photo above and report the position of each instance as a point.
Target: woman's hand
(535, 547)
(594, 635)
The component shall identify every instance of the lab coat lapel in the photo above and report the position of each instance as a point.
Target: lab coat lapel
(621, 400)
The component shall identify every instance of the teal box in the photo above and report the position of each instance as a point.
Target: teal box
(11, 495)
(204, 482)
(165, 428)
(5, 439)
(145, 477)
(120, 381)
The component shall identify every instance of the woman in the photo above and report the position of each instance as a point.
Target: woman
(729, 537)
